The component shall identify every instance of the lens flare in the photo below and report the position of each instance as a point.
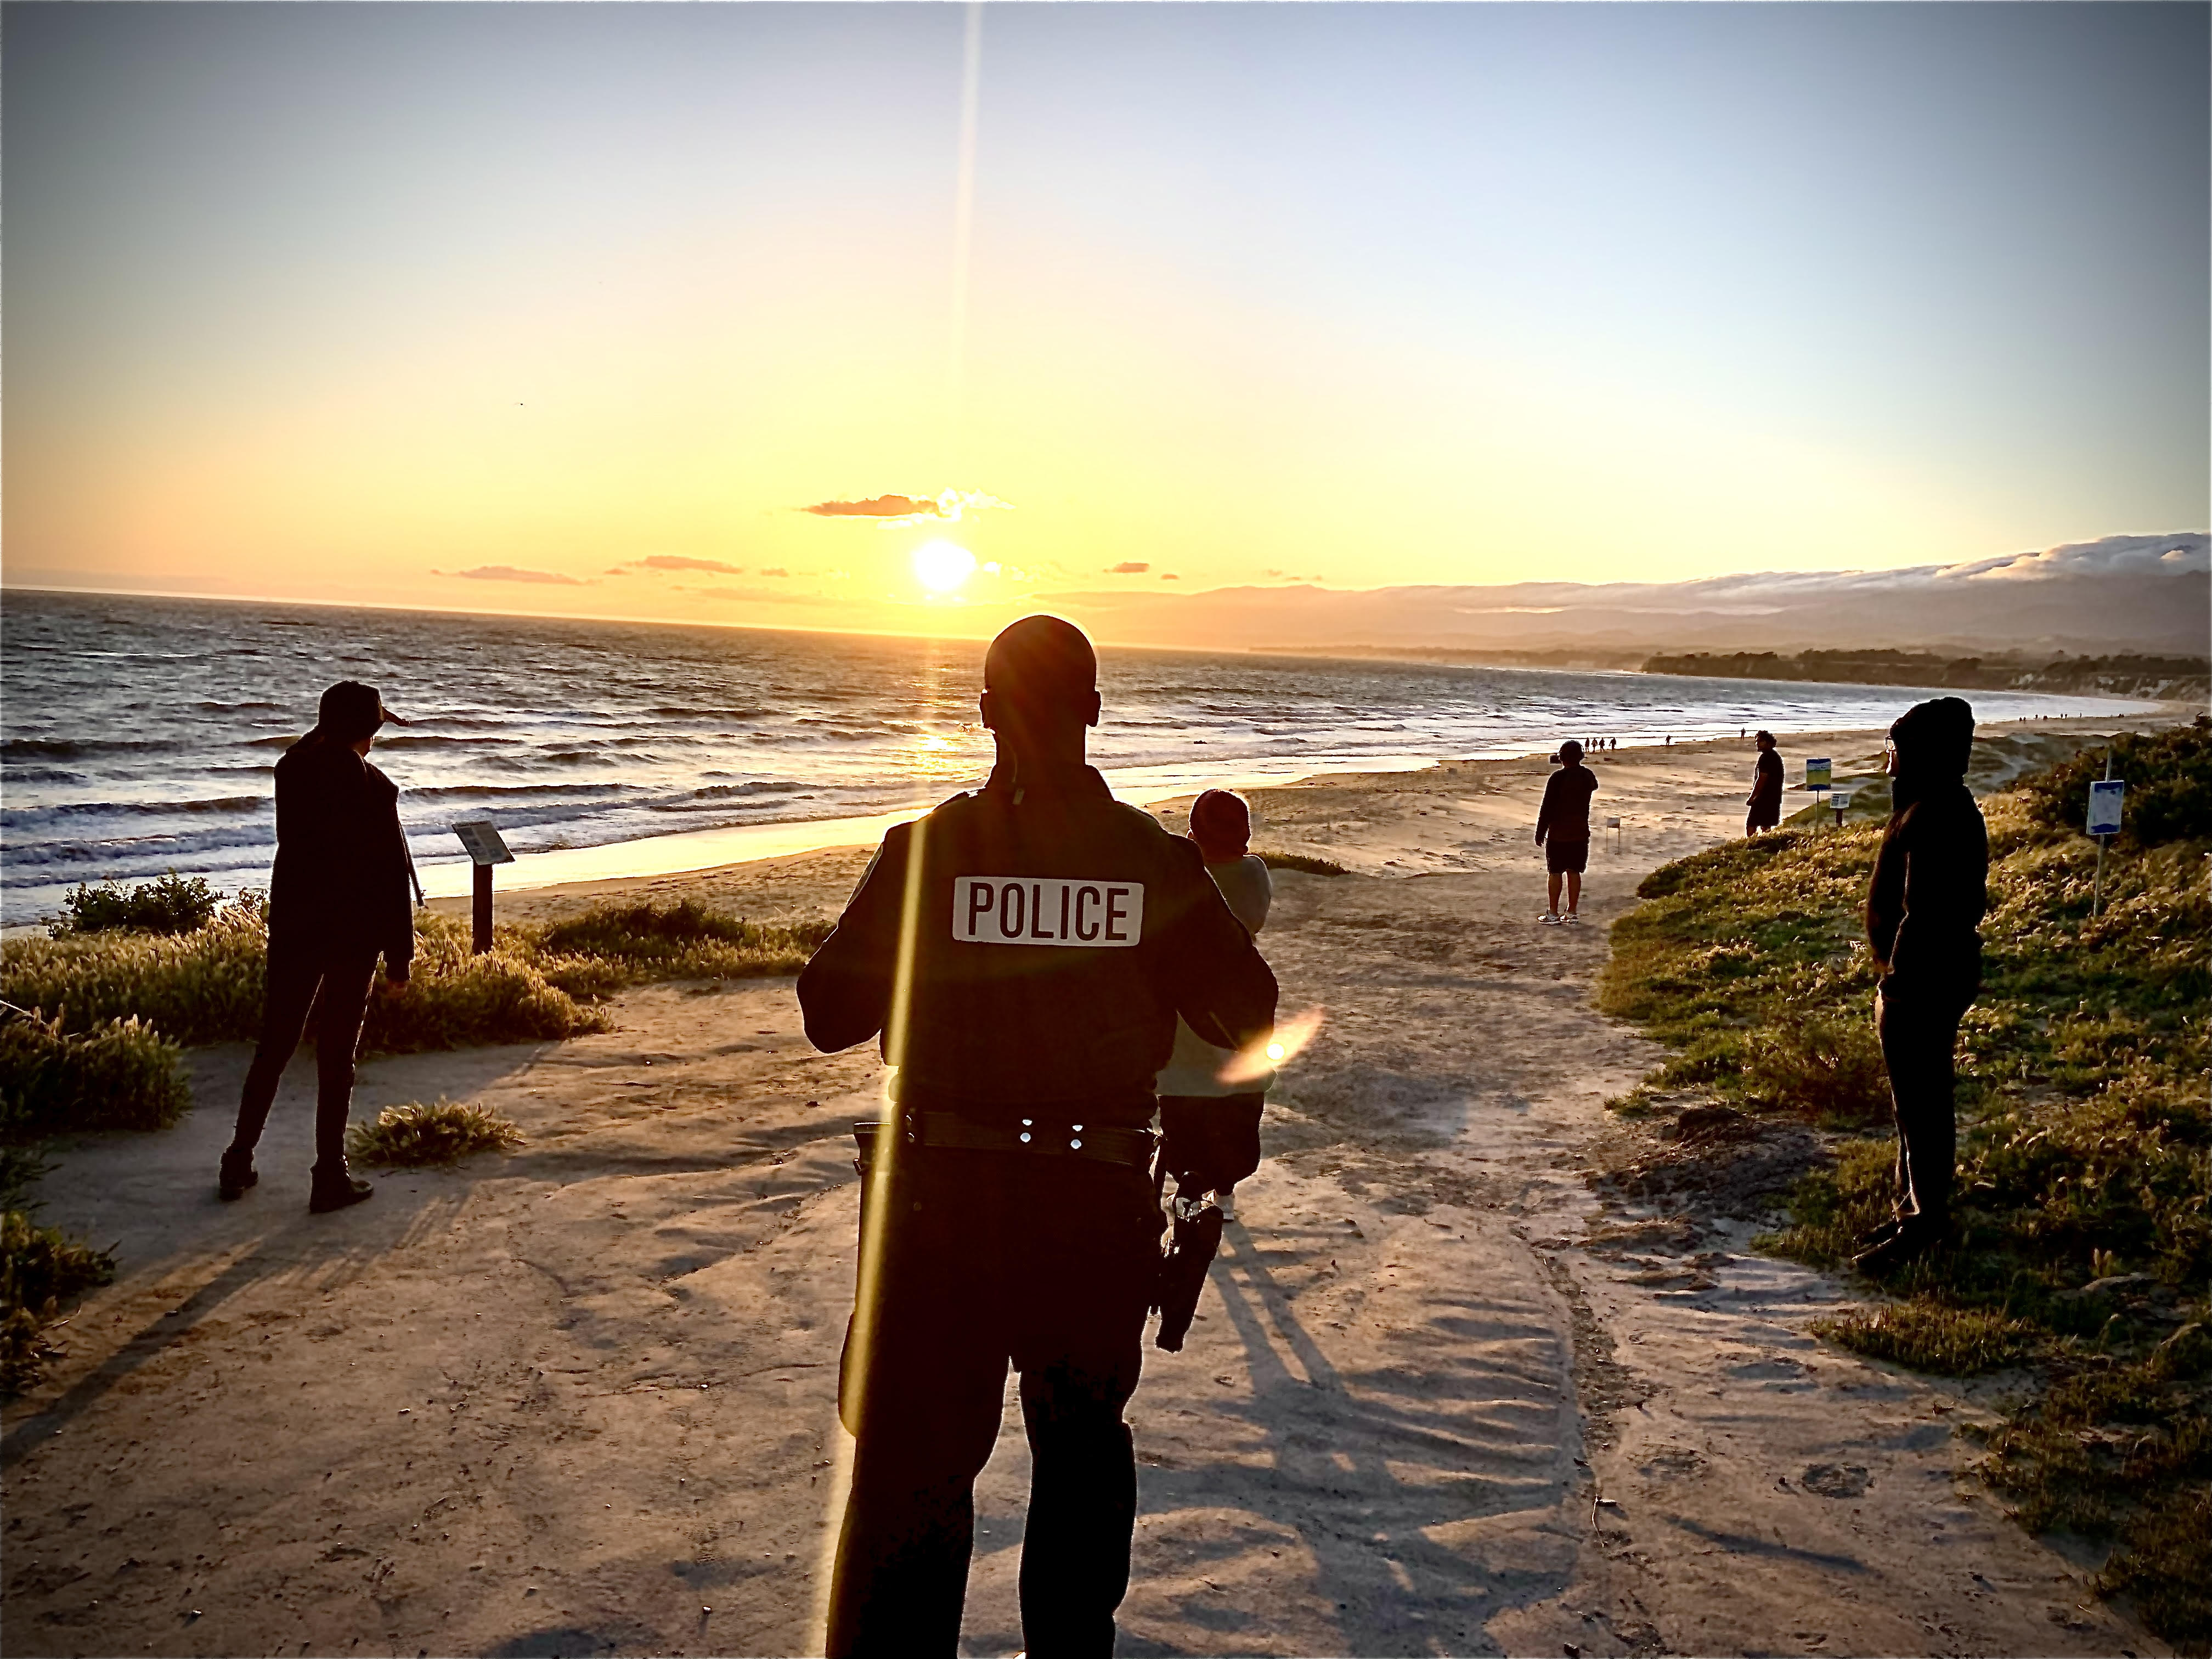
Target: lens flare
(942, 567)
(1262, 1055)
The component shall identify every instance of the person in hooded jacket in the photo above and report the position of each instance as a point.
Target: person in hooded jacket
(1925, 905)
(338, 901)
(1021, 955)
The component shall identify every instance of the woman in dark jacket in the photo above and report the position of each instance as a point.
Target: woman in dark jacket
(1929, 890)
(338, 900)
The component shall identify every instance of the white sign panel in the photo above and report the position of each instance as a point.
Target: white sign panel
(484, 842)
(2104, 797)
(1841, 800)
(1057, 910)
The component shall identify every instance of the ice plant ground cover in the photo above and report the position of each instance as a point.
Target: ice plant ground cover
(2086, 1145)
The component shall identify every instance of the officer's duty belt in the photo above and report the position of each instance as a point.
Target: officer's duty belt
(1131, 1148)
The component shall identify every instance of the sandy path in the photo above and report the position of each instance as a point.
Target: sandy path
(567, 1400)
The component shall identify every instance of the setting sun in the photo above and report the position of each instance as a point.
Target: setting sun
(942, 567)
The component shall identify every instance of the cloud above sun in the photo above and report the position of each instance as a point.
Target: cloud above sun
(676, 561)
(946, 508)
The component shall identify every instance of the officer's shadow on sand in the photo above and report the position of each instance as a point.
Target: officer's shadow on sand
(1393, 1500)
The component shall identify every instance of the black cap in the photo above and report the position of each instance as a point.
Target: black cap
(1040, 662)
(351, 711)
(1936, 738)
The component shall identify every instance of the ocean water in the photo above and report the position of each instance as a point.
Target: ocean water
(138, 736)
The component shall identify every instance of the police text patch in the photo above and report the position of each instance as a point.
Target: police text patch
(1047, 910)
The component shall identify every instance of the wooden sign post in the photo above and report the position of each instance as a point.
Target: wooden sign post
(485, 849)
(2106, 797)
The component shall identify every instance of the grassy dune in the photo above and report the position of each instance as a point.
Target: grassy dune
(2086, 1147)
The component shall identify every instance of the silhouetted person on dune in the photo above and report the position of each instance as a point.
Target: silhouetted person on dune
(338, 900)
(1929, 891)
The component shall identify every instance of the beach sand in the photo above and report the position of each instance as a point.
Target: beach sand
(1440, 1396)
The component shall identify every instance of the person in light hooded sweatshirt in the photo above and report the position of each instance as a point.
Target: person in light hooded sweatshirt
(1924, 904)
(1216, 1121)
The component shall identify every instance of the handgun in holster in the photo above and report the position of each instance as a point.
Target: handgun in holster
(1194, 1236)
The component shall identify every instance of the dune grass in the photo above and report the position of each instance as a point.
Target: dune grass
(415, 1135)
(644, 941)
(2086, 1148)
(118, 1074)
(1275, 858)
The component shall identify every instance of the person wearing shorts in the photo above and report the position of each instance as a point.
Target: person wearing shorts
(1563, 830)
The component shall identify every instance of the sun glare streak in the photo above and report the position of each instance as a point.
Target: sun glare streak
(1263, 1054)
(942, 567)
(875, 1223)
(964, 225)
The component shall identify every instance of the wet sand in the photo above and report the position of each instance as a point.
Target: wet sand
(579, 1398)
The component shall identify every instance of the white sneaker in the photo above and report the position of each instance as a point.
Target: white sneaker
(1550, 918)
(1570, 916)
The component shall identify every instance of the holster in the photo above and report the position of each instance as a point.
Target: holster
(1193, 1239)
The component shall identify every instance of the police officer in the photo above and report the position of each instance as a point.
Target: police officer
(1021, 954)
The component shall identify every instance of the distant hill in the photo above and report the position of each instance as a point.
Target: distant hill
(2179, 679)
(2124, 595)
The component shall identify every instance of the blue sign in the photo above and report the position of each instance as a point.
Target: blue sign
(2105, 798)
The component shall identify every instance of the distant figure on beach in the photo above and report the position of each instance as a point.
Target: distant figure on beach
(1563, 830)
(338, 900)
(1929, 890)
(1022, 954)
(1764, 800)
(1212, 1126)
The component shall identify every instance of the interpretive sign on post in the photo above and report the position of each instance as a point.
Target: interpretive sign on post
(484, 842)
(1840, 802)
(2105, 795)
(485, 849)
(1819, 773)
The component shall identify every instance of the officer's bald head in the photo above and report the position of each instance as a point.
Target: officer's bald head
(1040, 675)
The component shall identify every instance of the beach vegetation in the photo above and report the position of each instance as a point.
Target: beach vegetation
(2084, 1212)
(415, 1135)
(116, 1074)
(614, 943)
(1275, 858)
(174, 904)
(41, 1271)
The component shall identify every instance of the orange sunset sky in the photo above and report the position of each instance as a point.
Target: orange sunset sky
(582, 309)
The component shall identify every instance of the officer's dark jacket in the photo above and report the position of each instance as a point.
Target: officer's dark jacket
(1021, 1001)
(1929, 890)
(1565, 815)
(340, 882)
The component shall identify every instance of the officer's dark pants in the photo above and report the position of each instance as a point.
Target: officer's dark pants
(1045, 1261)
(1919, 1033)
(334, 984)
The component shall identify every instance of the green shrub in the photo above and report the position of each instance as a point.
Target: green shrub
(174, 904)
(1275, 858)
(2169, 779)
(119, 1075)
(415, 1135)
(40, 1270)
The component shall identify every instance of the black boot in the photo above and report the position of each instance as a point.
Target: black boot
(1916, 1236)
(235, 1175)
(337, 1192)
